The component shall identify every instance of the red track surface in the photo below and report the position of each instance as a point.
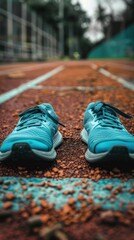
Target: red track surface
(70, 104)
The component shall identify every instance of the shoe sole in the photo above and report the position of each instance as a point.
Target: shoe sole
(116, 153)
(22, 151)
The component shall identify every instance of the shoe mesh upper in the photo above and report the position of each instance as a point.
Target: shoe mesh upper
(99, 135)
(35, 127)
(41, 134)
(103, 126)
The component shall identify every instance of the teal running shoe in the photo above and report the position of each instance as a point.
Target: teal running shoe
(35, 137)
(106, 137)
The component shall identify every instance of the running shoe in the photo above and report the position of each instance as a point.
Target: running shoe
(35, 136)
(106, 137)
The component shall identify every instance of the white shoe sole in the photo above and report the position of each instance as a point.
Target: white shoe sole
(23, 150)
(114, 153)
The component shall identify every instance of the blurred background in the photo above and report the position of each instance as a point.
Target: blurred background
(38, 30)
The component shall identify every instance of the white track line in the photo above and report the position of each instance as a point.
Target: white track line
(113, 77)
(12, 93)
(94, 66)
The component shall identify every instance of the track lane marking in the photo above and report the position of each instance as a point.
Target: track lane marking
(16, 91)
(106, 73)
(99, 192)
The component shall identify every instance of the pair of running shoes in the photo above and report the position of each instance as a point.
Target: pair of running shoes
(37, 136)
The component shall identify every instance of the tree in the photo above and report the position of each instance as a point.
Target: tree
(112, 23)
(47, 9)
(76, 21)
(103, 17)
(128, 14)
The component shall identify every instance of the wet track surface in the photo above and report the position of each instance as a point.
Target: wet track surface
(92, 201)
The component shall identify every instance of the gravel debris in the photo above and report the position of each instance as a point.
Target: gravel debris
(87, 223)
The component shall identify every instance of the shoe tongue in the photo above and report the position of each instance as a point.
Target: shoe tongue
(45, 108)
(98, 106)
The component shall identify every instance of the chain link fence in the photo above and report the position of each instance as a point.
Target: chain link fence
(24, 35)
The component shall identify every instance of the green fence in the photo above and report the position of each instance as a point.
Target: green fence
(122, 45)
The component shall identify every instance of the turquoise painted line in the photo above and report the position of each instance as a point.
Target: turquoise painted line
(59, 192)
(12, 93)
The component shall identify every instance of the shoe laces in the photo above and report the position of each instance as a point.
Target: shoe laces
(106, 115)
(34, 116)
